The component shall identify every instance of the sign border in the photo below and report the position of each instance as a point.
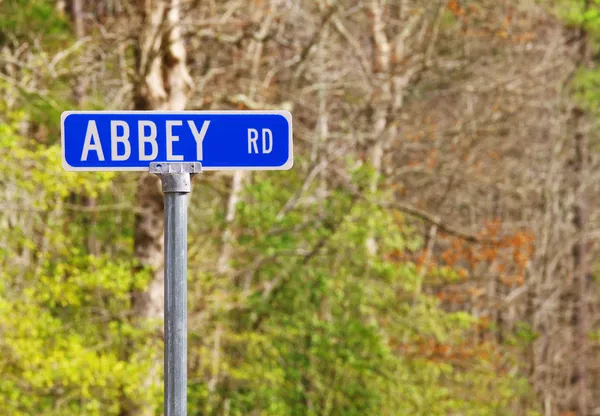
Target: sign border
(285, 113)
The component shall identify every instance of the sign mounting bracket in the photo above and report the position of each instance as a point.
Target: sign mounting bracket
(176, 177)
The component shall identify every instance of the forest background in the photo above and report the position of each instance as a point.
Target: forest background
(433, 251)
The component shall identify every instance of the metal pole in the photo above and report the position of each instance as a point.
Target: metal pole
(176, 185)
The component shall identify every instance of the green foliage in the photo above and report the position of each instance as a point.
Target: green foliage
(28, 18)
(64, 331)
(46, 33)
(324, 328)
(337, 331)
(578, 13)
(586, 89)
(585, 86)
(524, 335)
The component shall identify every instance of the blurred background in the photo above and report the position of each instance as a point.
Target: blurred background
(433, 251)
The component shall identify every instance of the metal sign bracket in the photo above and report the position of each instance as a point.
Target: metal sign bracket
(176, 177)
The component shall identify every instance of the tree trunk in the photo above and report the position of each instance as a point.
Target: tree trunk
(76, 9)
(77, 16)
(381, 100)
(252, 60)
(582, 270)
(581, 259)
(227, 238)
(162, 83)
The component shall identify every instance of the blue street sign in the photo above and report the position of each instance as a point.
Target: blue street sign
(220, 140)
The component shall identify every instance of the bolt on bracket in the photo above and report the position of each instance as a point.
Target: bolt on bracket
(176, 176)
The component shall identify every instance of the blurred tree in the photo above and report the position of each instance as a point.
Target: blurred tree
(455, 139)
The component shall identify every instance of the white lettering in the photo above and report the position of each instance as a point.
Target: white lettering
(199, 136)
(115, 139)
(252, 138)
(267, 134)
(92, 142)
(143, 139)
(172, 138)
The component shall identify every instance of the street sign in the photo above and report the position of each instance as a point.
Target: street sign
(219, 140)
(176, 146)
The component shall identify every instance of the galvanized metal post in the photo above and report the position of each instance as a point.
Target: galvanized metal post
(176, 185)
